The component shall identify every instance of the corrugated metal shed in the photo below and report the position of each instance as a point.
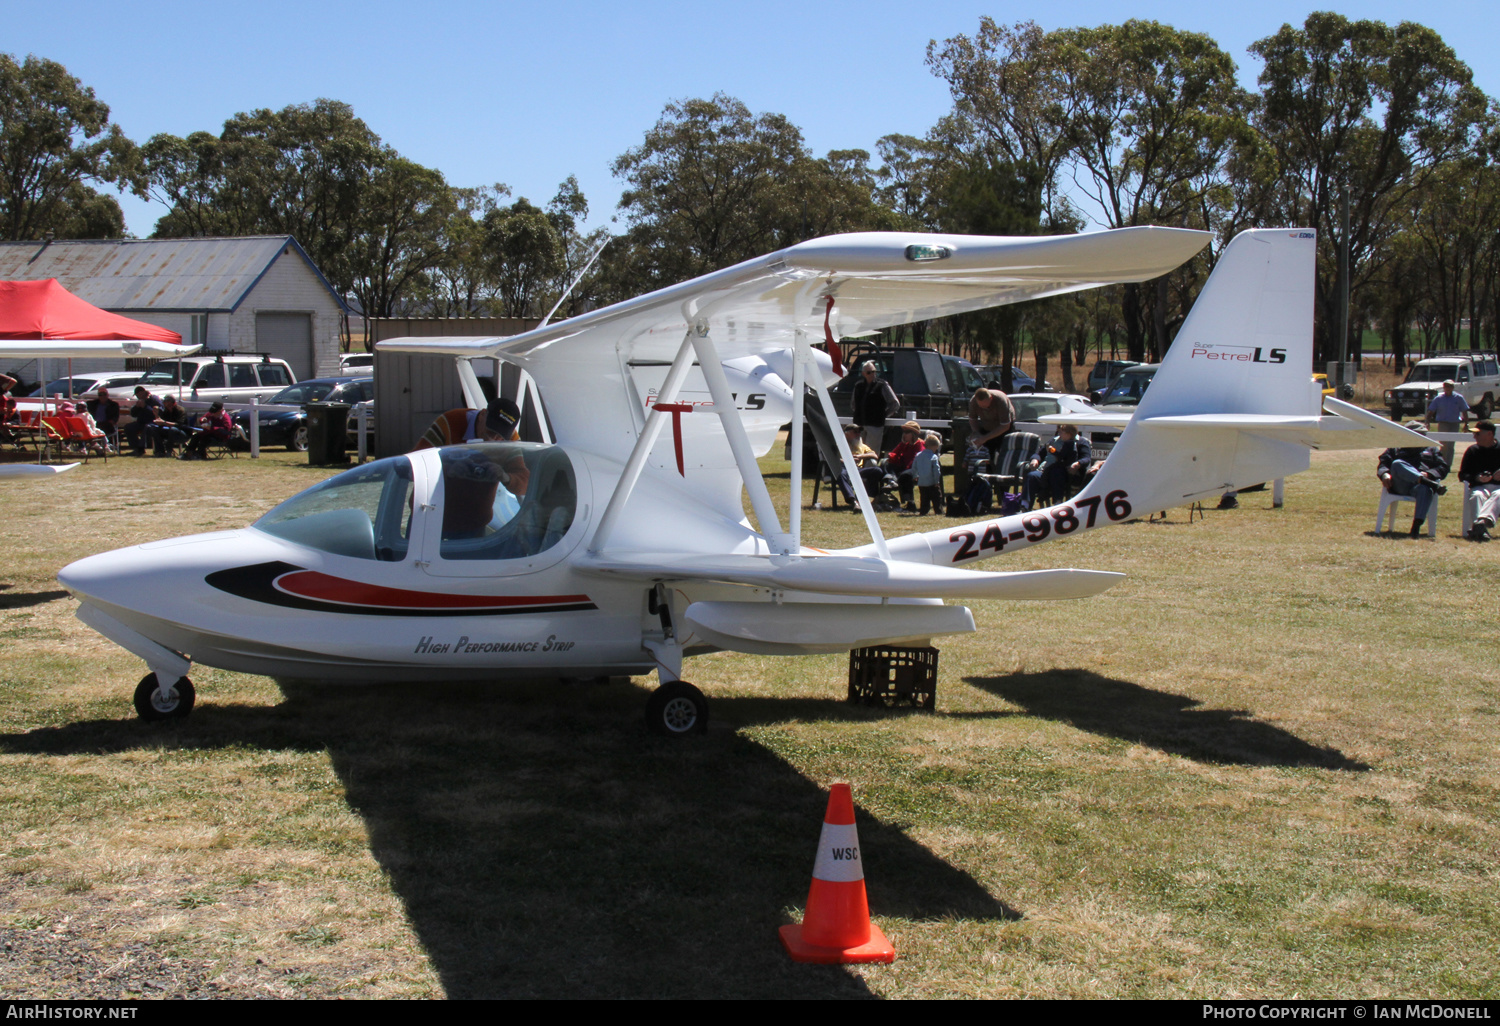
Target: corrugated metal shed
(200, 275)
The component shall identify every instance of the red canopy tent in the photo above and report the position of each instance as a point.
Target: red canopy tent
(36, 310)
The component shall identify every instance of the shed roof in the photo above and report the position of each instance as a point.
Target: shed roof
(190, 275)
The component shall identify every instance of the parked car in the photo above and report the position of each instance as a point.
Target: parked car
(226, 377)
(88, 384)
(1475, 374)
(1020, 381)
(919, 377)
(289, 427)
(1031, 407)
(356, 362)
(1104, 372)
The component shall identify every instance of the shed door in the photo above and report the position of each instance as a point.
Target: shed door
(289, 336)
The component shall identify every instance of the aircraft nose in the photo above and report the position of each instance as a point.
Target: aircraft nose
(96, 577)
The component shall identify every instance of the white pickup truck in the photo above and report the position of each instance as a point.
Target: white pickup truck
(1475, 374)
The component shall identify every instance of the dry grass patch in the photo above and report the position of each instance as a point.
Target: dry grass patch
(1264, 765)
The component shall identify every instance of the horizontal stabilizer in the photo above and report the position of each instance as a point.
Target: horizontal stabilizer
(855, 575)
(1088, 420)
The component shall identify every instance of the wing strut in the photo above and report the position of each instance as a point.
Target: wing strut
(803, 361)
(739, 441)
(649, 433)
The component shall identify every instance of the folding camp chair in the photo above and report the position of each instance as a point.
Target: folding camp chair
(64, 432)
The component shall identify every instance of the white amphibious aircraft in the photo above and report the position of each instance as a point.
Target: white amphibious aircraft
(623, 547)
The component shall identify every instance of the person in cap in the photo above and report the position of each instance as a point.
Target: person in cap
(1480, 470)
(1416, 471)
(1451, 411)
(213, 429)
(497, 422)
(868, 461)
(143, 410)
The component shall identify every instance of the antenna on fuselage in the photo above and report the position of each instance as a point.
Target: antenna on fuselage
(575, 282)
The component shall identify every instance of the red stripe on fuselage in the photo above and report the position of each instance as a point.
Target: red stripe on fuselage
(325, 588)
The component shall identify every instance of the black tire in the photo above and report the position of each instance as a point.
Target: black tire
(298, 441)
(179, 702)
(677, 709)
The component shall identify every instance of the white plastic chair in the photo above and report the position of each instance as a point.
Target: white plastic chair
(1388, 501)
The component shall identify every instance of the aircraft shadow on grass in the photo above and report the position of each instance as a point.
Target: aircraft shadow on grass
(22, 599)
(1160, 719)
(544, 844)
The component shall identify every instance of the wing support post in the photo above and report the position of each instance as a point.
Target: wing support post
(803, 361)
(650, 431)
(739, 442)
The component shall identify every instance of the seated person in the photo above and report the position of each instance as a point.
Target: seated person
(168, 430)
(1414, 471)
(868, 461)
(1480, 470)
(105, 411)
(977, 464)
(900, 459)
(213, 428)
(143, 410)
(1048, 478)
(497, 422)
(7, 405)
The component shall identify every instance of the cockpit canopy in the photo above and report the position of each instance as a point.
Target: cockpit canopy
(497, 501)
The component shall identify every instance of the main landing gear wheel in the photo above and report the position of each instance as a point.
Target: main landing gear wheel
(152, 705)
(677, 709)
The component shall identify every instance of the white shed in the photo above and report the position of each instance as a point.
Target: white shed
(260, 294)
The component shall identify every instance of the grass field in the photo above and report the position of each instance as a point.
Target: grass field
(1265, 765)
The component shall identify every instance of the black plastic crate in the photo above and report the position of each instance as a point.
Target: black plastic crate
(894, 676)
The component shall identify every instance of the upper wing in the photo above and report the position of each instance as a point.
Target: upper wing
(874, 278)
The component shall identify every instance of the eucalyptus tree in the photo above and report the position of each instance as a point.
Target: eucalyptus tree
(713, 184)
(1363, 109)
(55, 137)
(1155, 113)
(397, 237)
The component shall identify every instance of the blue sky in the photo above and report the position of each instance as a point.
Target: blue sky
(527, 94)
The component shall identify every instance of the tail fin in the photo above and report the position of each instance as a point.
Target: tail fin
(1236, 377)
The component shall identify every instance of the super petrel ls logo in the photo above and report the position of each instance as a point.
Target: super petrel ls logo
(1237, 354)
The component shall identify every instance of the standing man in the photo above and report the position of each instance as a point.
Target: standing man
(1451, 411)
(1416, 472)
(990, 417)
(874, 401)
(1480, 470)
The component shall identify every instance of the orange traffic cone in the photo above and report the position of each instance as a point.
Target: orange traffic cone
(837, 929)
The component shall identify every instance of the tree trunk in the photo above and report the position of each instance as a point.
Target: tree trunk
(1130, 312)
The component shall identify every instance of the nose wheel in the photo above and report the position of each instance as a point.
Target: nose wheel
(677, 709)
(152, 703)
